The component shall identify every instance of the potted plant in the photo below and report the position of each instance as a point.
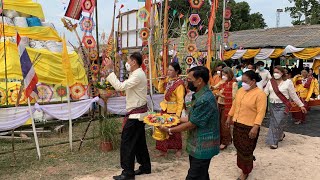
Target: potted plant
(109, 132)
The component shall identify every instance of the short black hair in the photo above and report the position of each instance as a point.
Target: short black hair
(260, 63)
(176, 67)
(201, 72)
(137, 57)
(239, 67)
(253, 76)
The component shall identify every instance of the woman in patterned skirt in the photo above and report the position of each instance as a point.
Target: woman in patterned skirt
(227, 91)
(247, 112)
(173, 103)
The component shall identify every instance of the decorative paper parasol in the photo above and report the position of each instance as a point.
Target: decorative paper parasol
(193, 34)
(191, 48)
(77, 91)
(146, 61)
(144, 34)
(194, 19)
(143, 14)
(228, 13)
(93, 55)
(189, 60)
(196, 4)
(13, 94)
(2, 96)
(60, 91)
(89, 41)
(86, 24)
(145, 50)
(45, 92)
(227, 25)
(88, 5)
(94, 68)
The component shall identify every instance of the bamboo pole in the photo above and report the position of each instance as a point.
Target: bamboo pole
(34, 130)
(165, 51)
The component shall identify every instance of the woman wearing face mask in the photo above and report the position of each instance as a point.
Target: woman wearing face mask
(247, 112)
(216, 78)
(173, 103)
(227, 91)
(279, 92)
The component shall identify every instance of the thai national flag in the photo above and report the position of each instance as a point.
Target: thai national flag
(29, 75)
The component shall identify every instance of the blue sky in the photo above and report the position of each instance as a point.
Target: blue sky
(54, 10)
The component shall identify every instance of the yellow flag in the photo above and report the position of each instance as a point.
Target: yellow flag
(66, 63)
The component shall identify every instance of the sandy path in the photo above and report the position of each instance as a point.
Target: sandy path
(298, 157)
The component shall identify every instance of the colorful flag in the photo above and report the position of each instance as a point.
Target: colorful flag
(29, 75)
(74, 9)
(66, 62)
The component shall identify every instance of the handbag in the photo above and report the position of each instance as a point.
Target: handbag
(290, 105)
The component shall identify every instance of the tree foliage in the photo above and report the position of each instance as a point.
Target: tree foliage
(241, 18)
(304, 12)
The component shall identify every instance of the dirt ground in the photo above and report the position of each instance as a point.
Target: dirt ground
(298, 157)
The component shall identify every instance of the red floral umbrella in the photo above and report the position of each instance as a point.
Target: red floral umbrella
(143, 14)
(45, 92)
(189, 60)
(196, 4)
(88, 5)
(89, 41)
(193, 34)
(191, 48)
(194, 19)
(94, 68)
(77, 91)
(60, 91)
(144, 34)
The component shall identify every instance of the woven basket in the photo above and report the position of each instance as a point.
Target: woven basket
(314, 102)
(107, 93)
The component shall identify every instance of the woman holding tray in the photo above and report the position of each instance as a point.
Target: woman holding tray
(173, 104)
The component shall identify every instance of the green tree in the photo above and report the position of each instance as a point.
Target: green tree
(241, 18)
(304, 12)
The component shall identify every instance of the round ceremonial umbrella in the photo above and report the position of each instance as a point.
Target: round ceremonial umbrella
(143, 14)
(88, 5)
(77, 91)
(193, 34)
(3, 96)
(196, 4)
(86, 24)
(45, 92)
(194, 19)
(14, 93)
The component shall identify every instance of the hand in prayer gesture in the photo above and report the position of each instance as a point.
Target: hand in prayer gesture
(109, 63)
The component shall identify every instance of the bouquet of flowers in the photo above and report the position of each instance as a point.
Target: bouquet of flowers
(105, 89)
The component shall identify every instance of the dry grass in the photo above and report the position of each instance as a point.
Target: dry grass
(58, 162)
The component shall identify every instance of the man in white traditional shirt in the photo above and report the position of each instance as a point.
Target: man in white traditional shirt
(265, 75)
(133, 139)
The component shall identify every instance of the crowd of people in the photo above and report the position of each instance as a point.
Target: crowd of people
(227, 106)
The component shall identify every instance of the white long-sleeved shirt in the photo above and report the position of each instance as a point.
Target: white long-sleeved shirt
(136, 90)
(287, 89)
(265, 77)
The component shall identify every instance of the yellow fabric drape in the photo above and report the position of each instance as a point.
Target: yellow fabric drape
(251, 53)
(24, 6)
(48, 65)
(277, 53)
(228, 54)
(307, 53)
(66, 63)
(316, 66)
(41, 33)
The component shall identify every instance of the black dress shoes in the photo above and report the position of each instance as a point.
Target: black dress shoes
(123, 177)
(140, 172)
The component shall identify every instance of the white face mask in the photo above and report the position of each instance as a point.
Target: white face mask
(128, 67)
(246, 86)
(224, 78)
(277, 75)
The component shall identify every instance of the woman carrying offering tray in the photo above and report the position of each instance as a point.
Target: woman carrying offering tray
(173, 104)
